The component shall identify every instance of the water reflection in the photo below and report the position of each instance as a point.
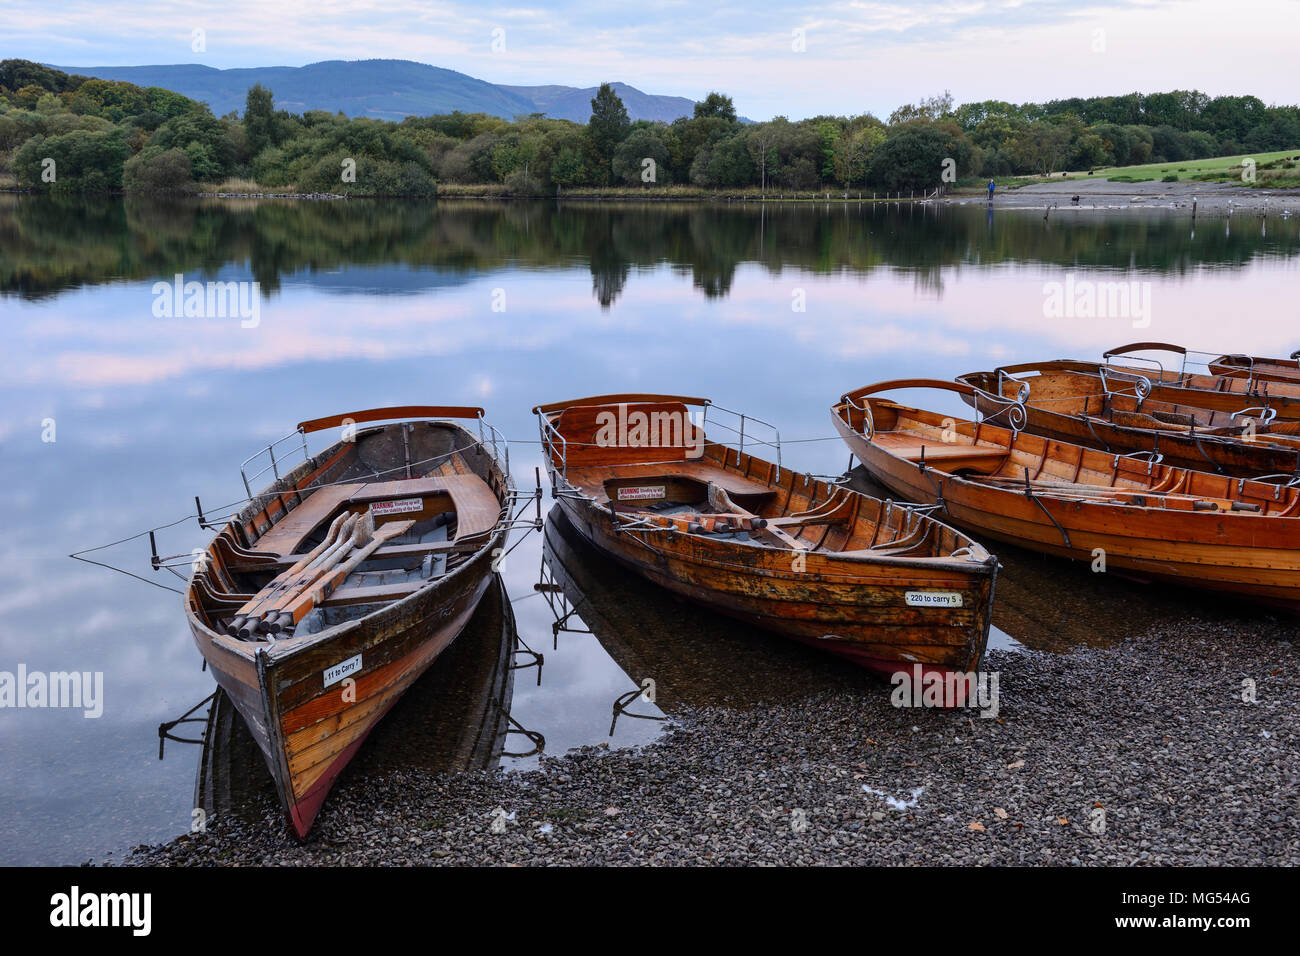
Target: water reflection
(52, 244)
(695, 658)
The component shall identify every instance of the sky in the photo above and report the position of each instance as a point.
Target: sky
(795, 60)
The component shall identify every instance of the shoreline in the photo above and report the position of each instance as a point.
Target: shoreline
(1208, 198)
(1144, 753)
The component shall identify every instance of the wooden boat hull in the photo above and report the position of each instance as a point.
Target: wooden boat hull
(460, 720)
(310, 700)
(308, 732)
(1218, 393)
(1251, 555)
(854, 604)
(860, 617)
(1258, 367)
(1272, 452)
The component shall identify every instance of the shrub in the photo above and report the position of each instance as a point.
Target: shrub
(165, 171)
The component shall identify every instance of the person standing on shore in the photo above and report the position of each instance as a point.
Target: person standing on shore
(992, 185)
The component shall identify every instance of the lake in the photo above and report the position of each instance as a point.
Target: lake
(119, 409)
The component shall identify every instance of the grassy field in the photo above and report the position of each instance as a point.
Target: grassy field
(1271, 169)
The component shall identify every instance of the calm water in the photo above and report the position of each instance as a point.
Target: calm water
(362, 304)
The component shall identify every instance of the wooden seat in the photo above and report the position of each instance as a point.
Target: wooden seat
(943, 456)
(477, 507)
(287, 536)
(401, 488)
(729, 482)
(374, 594)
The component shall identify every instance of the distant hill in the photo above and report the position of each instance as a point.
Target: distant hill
(385, 89)
(571, 103)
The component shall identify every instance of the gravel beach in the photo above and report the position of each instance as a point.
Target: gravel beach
(1142, 753)
(1214, 199)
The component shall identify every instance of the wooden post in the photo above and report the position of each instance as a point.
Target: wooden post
(1193, 209)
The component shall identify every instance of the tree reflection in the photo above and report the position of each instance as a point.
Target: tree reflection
(49, 244)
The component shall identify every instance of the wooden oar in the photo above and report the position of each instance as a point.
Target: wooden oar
(270, 612)
(299, 607)
(719, 500)
(338, 530)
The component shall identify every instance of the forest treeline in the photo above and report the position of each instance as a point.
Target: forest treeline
(70, 133)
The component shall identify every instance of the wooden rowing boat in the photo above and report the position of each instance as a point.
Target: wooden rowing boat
(1110, 414)
(455, 717)
(1237, 365)
(1139, 517)
(326, 596)
(1216, 393)
(1259, 367)
(1228, 392)
(688, 651)
(873, 581)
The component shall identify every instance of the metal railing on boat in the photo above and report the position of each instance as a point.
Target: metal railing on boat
(556, 446)
(492, 437)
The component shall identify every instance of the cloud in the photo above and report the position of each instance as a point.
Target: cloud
(859, 56)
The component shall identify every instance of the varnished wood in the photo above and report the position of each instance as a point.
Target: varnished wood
(307, 730)
(390, 414)
(1073, 406)
(831, 568)
(1152, 520)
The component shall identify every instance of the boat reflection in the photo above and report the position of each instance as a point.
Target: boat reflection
(455, 717)
(676, 654)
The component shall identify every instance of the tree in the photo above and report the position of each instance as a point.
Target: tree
(912, 158)
(716, 105)
(629, 163)
(851, 158)
(932, 108)
(84, 161)
(567, 169)
(259, 118)
(1041, 146)
(609, 123)
(167, 171)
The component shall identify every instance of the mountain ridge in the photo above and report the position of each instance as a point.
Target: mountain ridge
(384, 89)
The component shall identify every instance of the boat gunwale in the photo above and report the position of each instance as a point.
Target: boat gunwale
(961, 565)
(284, 650)
(1289, 492)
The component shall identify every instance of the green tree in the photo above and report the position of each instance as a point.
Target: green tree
(629, 162)
(913, 158)
(259, 118)
(160, 171)
(609, 123)
(716, 105)
(84, 161)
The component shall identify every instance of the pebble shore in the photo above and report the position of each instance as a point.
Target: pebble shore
(1145, 753)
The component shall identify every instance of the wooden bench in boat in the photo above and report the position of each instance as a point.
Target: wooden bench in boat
(943, 456)
(288, 533)
(373, 594)
(477, 510)
(595, 477)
